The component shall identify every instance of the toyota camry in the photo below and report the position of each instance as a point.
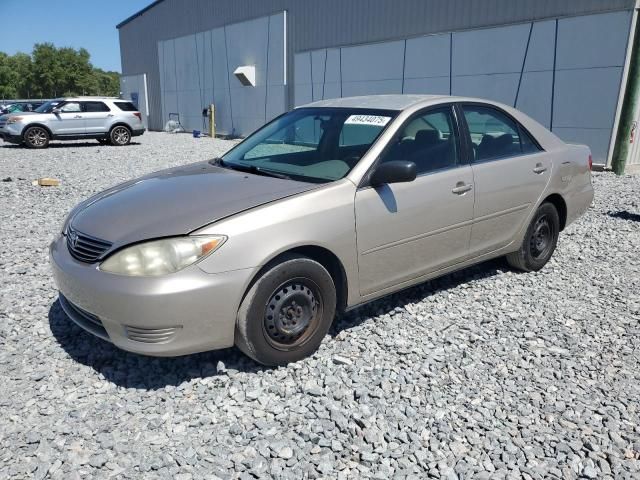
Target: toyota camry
(327, 207)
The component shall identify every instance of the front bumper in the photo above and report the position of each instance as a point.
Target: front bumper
(11, 135)
(186, 312)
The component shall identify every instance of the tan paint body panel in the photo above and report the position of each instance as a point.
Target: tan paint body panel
(408, 229)
(322, 218)
(506, 191)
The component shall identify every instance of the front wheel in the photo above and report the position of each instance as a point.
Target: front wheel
(36, 137)
(287, 312)
(539, 242)
(120, 136)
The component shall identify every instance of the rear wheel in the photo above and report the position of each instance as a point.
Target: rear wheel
(287, 312)
(36, 137)
(539, 242)
(120, 136)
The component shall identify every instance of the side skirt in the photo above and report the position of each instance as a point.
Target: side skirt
(429, 276)
(76, 136)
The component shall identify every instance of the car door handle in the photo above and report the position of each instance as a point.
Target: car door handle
(539, 169)
(111, 115)
(78, 116)
(461, 188)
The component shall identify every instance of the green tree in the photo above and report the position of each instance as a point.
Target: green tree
(21, 66)
(8, 78)
(48, 71)
(52, 72)
(108, 83)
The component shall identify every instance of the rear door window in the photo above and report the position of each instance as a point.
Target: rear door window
(96, 107)
(495, 135)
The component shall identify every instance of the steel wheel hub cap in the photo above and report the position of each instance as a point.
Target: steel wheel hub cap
(289, 313)
(541, 237)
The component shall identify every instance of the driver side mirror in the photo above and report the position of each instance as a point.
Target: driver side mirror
(397, 171)
(56, 111)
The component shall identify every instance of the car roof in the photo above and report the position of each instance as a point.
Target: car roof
(66, 99)
(383, 102)
(397, 102)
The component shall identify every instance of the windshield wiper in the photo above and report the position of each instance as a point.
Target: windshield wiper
(267, 172)
(218, 162)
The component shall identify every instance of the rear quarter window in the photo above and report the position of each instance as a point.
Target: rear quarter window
(126, 106)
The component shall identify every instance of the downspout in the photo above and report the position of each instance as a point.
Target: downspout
(630, 101)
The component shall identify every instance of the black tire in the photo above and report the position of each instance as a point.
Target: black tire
(103, 141)
(287, 312)
(36, 137)
(120, 136)
(539, 242)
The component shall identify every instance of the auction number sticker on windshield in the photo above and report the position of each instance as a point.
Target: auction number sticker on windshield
(376, 120)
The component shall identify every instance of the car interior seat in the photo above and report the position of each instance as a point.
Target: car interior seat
(495, 147)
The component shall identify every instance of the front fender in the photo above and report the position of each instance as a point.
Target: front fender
(323, 217)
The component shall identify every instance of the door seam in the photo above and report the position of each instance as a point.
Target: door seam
(404, 241)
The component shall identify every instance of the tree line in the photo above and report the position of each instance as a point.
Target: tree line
(51, 72)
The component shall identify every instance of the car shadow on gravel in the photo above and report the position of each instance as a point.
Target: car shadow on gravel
(131, 370)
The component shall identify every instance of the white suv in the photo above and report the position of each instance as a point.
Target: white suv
(108, 120)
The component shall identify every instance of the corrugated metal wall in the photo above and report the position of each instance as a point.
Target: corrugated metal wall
(197, 70)
(315, 24)
(564, 73)
(134, 88)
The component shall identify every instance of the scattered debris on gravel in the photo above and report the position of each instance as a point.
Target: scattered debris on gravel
(485, 373)
(47, 182)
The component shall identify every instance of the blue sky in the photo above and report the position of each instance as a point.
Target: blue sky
(67, 23)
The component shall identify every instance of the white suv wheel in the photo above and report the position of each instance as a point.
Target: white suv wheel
(120, 136)
(36, 137)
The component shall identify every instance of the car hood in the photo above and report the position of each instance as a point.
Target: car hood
(176, 201)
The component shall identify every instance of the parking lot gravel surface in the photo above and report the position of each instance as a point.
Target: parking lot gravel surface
(485, 373)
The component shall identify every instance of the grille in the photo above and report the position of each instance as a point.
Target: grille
(85, 248)
(84, 319)
(151, 335)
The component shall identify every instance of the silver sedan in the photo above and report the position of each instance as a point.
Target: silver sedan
(327, 207)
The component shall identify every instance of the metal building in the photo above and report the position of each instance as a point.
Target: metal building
(565, 62)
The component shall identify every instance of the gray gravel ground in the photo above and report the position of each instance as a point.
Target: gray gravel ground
(482, 374)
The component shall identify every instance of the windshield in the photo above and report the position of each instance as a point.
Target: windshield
(311, 144)
(47, 107)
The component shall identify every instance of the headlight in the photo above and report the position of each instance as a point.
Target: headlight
(160, 257)
(11, 120)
